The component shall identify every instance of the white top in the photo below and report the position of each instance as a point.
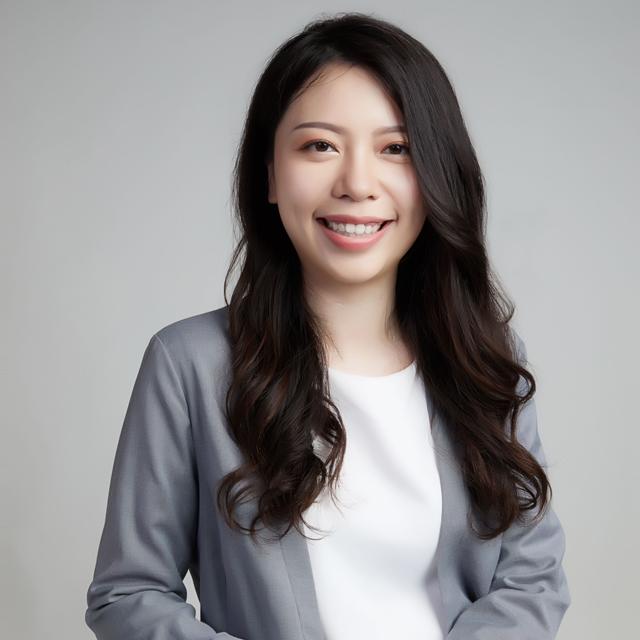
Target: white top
(373, 559)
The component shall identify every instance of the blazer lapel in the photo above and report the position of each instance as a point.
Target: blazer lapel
(453, 506)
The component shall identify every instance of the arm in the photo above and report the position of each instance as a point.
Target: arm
(529, 593)
(149, 532)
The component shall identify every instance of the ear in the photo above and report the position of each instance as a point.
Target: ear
(272, 187)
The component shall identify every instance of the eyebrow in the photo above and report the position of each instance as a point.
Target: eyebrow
(336, 129)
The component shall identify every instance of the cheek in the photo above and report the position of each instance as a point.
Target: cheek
(296, 186)
(413, 194)
(403, 181)
(410, 201)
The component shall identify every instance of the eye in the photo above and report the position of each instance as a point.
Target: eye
(316, 143)
(401, 146)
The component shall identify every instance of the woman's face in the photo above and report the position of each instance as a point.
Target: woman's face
(350, 169)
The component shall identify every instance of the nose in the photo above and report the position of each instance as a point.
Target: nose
(356, 177)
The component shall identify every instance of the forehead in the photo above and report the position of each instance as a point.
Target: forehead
(344, 95)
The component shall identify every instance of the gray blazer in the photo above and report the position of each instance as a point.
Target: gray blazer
(161, 521)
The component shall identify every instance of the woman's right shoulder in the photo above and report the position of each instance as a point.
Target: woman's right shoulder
(198, 345)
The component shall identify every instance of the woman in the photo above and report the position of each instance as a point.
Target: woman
(362, 383)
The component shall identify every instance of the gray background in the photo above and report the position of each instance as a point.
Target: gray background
(118, 126)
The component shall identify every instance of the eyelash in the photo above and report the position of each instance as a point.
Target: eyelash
(394, 144)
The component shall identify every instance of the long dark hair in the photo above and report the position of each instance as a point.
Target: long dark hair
(449, 307)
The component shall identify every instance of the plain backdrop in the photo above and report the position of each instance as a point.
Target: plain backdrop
(119, 122)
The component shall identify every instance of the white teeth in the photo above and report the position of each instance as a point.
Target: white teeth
(354, 229)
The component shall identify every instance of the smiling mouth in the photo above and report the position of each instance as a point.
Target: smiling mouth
(325, 222)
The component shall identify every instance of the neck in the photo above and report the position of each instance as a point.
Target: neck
(359, 324)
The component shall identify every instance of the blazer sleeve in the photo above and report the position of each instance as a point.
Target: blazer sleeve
(149, 533)
(529, 593)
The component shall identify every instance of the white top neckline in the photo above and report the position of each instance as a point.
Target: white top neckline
(358, 376)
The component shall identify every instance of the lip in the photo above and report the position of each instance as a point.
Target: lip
(354, 243)
(353, 219)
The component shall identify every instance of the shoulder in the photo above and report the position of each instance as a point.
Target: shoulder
(517, 345)
(196, 331)
(197, 344)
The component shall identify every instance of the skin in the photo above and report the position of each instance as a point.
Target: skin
(355, 173)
